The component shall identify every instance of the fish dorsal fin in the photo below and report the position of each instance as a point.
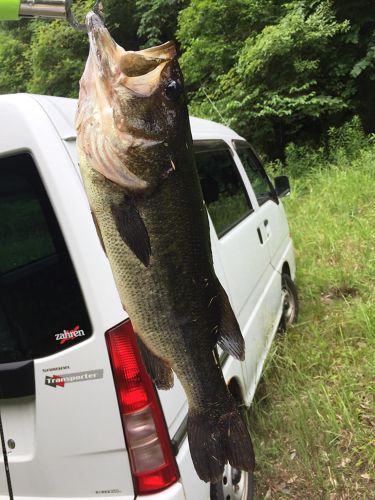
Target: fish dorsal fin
(132, 229)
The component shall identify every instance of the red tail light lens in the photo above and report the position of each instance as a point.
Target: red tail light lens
(151, 456)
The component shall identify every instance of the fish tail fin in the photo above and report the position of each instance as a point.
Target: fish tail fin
(238, 446)
(230, 338)
(215, 439)
(206, 446)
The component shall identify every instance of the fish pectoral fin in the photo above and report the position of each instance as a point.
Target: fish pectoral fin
(229, 338)
(132, 229)
(98, 232)
(159, 371)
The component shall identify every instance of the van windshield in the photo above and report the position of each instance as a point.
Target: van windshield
(258, 178)
(42, 310)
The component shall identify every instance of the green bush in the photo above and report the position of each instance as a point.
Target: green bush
(344, 144)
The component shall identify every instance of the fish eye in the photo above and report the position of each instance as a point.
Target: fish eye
(173, 89)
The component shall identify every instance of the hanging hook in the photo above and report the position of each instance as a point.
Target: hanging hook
(97, 8)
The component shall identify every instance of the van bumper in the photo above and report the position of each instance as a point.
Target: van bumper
(174, 492)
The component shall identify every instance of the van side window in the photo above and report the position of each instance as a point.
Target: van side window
(258, 178)
(223, 191)
(42, 310)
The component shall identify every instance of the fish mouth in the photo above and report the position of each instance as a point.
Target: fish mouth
(124, 107)
(138, 71)
(103, 49)
(144, 72)
(94, 21)
(144, 61)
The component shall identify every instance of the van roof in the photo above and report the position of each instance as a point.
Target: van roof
(61, 111)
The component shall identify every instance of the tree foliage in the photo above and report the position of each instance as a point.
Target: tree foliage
(57, 56)
(14, 62)
(157, 20)
(275, 70)
(48, 56)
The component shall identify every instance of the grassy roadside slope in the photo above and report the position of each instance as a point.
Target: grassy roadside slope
(313, 419)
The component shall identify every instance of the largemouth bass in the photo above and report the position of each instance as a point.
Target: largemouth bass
(137, 163)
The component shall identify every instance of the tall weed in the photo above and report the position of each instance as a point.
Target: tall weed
(345, 142)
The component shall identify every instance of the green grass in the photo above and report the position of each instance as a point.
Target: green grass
(313, 417)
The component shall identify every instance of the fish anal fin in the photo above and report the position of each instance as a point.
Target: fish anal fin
(229, 338)
(160, 372)
(132, 229)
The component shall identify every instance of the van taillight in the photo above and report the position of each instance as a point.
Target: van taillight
(151, 455)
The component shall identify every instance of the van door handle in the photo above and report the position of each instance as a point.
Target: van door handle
(260, 235)
(267, 228)
(17, 379)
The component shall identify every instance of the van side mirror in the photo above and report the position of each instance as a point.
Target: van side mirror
(282, 186)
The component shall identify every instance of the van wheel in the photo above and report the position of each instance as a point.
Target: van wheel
(290, 303)
(235, 485)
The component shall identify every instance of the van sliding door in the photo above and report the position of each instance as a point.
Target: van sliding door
(244, 258)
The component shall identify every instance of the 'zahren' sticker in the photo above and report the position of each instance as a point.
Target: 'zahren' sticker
(69, 378)
(67, 335)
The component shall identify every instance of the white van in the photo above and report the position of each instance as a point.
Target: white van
(64, 389)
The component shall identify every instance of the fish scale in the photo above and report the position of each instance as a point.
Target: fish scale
(137, 163)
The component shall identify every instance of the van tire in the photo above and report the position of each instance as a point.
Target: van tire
(291, 303)
(235, 485)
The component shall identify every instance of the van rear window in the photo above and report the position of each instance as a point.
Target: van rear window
(42, 310)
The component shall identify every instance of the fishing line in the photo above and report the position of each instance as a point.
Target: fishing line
(97, 9)
(6, 463)
(214, 106)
